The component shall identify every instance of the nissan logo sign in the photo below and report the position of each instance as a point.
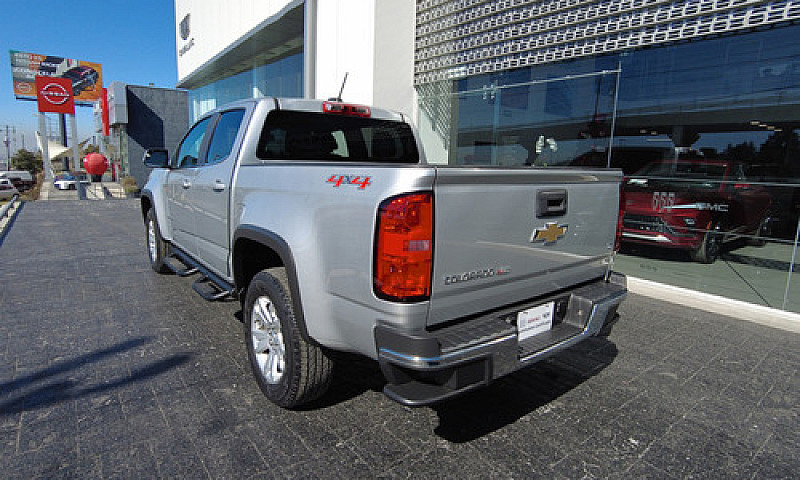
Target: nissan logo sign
(55, 93)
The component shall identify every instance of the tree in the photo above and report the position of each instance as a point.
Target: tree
(27, 160)
(782, 148)
(743, 152)
(89, 149)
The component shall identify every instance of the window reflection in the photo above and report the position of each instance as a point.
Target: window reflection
(706, 132)
(545, 122)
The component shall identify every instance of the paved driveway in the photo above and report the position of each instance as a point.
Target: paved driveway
(108, 370)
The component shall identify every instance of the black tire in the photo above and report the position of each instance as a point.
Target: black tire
(301, 372)
(709, 250)
(764, 231)
(156, 246)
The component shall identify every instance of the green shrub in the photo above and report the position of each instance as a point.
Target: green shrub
(129, 184)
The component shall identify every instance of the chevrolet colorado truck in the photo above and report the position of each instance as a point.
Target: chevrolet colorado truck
(329, 225)
(694, 204)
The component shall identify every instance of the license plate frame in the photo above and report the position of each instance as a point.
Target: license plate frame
(535, 320)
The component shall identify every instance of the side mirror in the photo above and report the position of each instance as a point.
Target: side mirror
(156, 158)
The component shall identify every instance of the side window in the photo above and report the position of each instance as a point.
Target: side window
(224, 135)
(189, 152)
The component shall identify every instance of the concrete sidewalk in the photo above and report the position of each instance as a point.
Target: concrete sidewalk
(94, 191)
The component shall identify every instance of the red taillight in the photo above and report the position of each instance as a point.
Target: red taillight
(346, 109)
(404, 248)
(620, 217)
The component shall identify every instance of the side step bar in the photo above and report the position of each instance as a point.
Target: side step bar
(209, 286)
(209, 290)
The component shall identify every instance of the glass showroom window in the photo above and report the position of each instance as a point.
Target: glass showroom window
(707, 133)
(283, 78)
(511, 119)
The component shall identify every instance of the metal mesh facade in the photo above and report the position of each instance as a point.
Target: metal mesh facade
(457, 38)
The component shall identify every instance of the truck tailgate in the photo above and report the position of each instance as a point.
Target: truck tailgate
(504, 236)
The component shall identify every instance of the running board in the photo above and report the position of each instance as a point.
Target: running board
(210, 290)
(209, 286)
(177, 270)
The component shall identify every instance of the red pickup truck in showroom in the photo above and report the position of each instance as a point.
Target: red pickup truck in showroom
(694, 204)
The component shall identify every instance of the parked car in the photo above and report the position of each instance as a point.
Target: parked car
(22, 179)
(694, 204)
(69, 181)
(7, 189)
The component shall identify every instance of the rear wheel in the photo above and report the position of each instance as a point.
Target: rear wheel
(289, 370)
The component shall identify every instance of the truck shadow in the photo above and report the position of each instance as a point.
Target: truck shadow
(353, 375)
(511, 398)
(483, 411)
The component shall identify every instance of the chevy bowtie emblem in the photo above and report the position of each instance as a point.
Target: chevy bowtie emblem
(550, 234)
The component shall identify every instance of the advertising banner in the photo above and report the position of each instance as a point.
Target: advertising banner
(54, 95)
(104, 110)
(86, 77)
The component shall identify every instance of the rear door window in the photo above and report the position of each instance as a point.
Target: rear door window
(289, 135)
(224, 135)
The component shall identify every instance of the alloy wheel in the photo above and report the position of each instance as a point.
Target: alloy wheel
(267, 340)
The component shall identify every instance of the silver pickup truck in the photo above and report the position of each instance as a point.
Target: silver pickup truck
(334, 231)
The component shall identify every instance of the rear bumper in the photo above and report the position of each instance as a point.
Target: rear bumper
(429, 367)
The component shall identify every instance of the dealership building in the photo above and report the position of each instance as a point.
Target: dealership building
(520, 83)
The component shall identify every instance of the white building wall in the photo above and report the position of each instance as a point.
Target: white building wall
(345, 44)
(394, 56)
(372, 41)
(215, 25)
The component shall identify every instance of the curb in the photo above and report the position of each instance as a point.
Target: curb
(8, 217)
(762, 315)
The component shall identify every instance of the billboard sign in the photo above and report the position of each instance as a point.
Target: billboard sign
(54, 95)
(86, 77)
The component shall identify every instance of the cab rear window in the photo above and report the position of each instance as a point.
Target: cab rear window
(291, 135)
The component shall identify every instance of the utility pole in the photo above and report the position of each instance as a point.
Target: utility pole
(7, 142)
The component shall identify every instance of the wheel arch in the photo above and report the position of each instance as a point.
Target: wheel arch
(255, 249)
(149, 200)
(146, 203)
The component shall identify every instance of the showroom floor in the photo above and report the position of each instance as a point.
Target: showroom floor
(752, 274)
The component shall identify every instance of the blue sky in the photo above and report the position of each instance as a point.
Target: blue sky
(134, 41)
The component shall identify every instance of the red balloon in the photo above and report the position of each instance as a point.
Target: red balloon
(95, 164)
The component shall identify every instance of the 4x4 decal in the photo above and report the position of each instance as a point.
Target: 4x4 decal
(358, 180)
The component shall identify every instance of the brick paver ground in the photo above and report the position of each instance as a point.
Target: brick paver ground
(108, 370)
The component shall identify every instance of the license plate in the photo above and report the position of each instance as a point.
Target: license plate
(534, 321)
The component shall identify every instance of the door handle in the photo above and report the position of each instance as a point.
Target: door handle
(186, 183)
(218, 186)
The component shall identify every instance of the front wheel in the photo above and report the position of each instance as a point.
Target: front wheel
(289, 370)
(764, 231)
(708, 251)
